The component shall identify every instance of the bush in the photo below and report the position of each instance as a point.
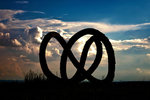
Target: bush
(32, 76)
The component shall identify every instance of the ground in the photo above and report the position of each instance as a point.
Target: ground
(82, 91)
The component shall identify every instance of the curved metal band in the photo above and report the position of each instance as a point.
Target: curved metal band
(98, 36)
(81, 73)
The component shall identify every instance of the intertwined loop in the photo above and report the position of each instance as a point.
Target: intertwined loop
(81, 73)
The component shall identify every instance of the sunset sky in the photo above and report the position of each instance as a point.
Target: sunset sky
(24, 23)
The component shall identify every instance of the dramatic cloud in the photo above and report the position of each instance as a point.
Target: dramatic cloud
(67, 29)
(33, 33)
(20, 39)
(27, 43)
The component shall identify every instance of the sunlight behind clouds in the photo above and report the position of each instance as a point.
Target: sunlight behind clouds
(22, 39)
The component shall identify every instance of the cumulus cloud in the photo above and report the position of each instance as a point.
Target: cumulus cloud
(34, 34)
(28, 41)
(24, 37)
(5, 39)
(139, 70)
(22, 56)
(132, 46)
(4, 35)
(35, 28)
(148, 55)
(16, 42)
(49, 53)
(127, 44)
(2, 26)
(67, 29)
(37, 34)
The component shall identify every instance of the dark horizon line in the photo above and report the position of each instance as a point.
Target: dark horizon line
(81, 82)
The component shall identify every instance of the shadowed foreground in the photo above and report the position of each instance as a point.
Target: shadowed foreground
(45, 90)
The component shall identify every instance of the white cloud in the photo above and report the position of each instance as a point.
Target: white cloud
(57, 51)
(22, 2)
(126, 44)
(5, 39)
(22, 56)
(103, 27)
(2, 26)
(29, 41)
(38, 34)
(139, 70)
(12, 59)
(4, 35)
(8, 14)
(39, 12)
(16, 42)
(34, 34)
(49, 53)
(148, 55)
(34, 28)
(58, 25)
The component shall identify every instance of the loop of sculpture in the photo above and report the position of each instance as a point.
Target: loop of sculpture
(98, 38)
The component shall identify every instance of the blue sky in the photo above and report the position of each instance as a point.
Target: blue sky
(116, 11)
(125, 22)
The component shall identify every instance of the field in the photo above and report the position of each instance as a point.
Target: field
(46, 90)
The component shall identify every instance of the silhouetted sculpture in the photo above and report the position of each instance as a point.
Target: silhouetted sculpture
(81, 73)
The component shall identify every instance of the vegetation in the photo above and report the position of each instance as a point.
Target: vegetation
(32, 76)
(38, 87)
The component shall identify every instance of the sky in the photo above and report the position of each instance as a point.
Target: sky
(23, 24)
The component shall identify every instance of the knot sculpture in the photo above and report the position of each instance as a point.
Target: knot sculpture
(81, 73)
